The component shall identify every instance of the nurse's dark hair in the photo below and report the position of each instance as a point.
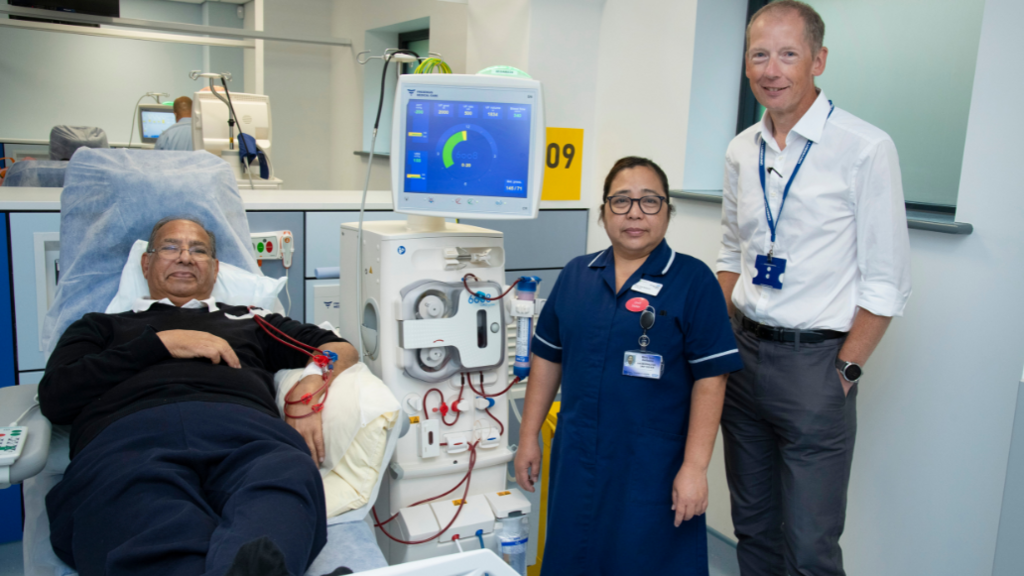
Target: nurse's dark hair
(192, 219)
(634, 162)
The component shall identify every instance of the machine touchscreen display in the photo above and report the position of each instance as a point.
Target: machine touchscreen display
(154, 123)
(475, 148)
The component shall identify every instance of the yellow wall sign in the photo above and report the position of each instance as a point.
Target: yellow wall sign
(563, 162)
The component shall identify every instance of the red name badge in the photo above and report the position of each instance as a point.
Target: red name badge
(637, 304)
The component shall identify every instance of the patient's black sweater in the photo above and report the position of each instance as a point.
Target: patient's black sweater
(107, 366)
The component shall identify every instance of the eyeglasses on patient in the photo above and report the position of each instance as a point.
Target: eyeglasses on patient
(649, 205)
(172, 252)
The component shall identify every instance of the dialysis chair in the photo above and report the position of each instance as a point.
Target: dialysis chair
(111, 198)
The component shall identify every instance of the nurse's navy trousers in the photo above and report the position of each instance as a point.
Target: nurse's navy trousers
(178, 489)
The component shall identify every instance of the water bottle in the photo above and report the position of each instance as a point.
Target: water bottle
(514, 536)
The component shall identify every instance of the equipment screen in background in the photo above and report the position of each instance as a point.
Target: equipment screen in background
(476, 148)
(154, 123)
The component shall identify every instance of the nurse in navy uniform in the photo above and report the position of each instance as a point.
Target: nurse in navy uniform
(639, 339)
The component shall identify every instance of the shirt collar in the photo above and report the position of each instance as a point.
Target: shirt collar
(810, 125)
(658, 262)
(601, 260)
(185, 121)
(143, 304)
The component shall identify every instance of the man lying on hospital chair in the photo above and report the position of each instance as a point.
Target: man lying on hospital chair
(180, 462)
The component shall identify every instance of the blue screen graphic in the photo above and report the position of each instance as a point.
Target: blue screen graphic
(472, 148)
(154, 123)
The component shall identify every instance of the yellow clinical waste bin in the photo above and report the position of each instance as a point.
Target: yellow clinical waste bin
(547, 434)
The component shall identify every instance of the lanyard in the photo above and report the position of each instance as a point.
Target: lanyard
(772, 222)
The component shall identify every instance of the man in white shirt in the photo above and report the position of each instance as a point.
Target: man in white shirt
(814, 264)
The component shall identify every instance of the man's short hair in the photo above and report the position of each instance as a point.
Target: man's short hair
(183, 107)
(192, 219)
(814, 26)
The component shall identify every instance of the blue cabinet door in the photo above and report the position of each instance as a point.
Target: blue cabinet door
(10, 499)
(27, 231)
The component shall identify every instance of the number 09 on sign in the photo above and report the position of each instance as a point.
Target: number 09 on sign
(563, 161)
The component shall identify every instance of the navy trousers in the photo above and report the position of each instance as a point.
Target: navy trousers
(178, 489)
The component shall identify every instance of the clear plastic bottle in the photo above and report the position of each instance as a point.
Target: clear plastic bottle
(515, 533)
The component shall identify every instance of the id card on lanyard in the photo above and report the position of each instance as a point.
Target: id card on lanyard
(770, 269)
(642, 363)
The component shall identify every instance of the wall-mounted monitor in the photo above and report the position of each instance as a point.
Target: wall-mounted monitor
(111, 8)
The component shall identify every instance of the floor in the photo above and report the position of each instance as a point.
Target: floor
(10, 559)
(721, 557)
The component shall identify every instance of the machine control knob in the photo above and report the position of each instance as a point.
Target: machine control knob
(413, 403)
(432, 357)
(495, 327)
(431, 307)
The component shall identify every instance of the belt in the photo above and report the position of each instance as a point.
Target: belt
(765, 332)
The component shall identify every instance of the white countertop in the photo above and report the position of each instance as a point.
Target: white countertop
(48, 199)
(15, 199)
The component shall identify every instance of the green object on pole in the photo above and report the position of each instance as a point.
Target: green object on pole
(508, 71)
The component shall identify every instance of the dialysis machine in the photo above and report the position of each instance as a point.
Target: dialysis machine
(212, 132)
(433, 310)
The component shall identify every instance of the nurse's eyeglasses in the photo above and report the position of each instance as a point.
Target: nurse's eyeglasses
(649, 205)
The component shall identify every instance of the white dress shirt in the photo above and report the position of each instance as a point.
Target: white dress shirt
(843, 231)
(143, 304)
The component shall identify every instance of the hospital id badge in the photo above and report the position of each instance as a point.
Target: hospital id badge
(643, 365)
(769, 272)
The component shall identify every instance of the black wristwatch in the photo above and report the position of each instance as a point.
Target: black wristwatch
(851, 371)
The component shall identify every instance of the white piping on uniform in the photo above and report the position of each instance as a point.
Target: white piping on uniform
(669, 265)
(713, 356)
(537, 336)
(595, 259)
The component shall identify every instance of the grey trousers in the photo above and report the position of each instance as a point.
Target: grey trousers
(789, 433)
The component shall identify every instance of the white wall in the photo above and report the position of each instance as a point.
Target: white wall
(497, 33)
(223, 59)
(645, 60)
(51, 78)
(298, 81)
(936, 407)
(564, 43)
(936, 420)
(351, 19)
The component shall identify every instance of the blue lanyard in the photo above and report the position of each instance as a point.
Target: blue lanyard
(772, 222)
